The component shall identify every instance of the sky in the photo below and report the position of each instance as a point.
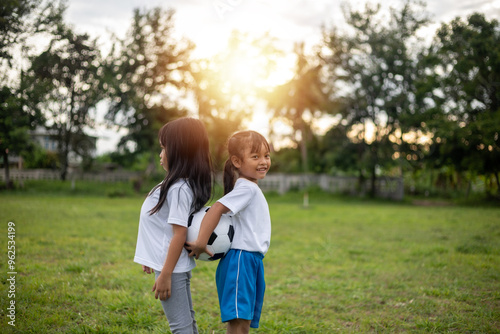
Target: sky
(208, 23)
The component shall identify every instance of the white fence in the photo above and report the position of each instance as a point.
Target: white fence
(386, 187)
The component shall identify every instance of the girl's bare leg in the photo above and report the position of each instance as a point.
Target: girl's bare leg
(238, 326)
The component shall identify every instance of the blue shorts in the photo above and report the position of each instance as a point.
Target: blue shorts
(241, 286)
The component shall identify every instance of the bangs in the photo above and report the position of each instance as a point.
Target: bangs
(243, 140)
(258, 141)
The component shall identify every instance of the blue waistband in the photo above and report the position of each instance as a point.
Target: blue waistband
(256, 254)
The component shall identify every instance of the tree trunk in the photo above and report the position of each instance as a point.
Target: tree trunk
(64, 161)
(373, 167)
(65, 149)
(303, 148)
(7, 170)
(361, 183)
(498, 182)
(400, 160)
(373, 179)
(303, 154)
(64, 170)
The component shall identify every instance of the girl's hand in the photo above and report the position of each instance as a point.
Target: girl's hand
(195, 249)
(162, 287)
(147, 270)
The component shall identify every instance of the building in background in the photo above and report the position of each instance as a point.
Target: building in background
(45, 138)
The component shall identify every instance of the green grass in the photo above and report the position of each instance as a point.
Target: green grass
(340, 266)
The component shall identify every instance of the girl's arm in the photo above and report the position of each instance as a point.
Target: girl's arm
(163, 284)
(208, 225)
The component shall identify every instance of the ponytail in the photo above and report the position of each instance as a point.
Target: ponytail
(229, 176)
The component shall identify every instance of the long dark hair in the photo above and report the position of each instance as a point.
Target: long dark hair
(188, 157)
(236, 146)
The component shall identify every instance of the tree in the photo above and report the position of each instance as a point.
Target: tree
(378, 65)
(64, 83)
(229, 86)
(303, 94)
(341, 154)
(146, 77)
(464, 60)
(19, 19)
(14, 126)
(215, 108)
(402, 78)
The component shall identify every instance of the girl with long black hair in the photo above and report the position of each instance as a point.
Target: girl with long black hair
(187, 187)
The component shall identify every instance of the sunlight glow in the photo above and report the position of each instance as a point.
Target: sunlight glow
(247, 65)
(245, 71)
(242, 71)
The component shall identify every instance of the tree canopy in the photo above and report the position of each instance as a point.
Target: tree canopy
(402, 106)
(146, 72)
(465, 117)
(64, 83)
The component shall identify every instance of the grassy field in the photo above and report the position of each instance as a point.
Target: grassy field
(340, 266)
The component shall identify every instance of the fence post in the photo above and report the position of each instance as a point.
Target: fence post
(282, 187)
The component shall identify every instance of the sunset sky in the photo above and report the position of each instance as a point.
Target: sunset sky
(209, 23)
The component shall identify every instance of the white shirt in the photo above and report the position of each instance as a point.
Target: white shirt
(156, 232)
(251, 218)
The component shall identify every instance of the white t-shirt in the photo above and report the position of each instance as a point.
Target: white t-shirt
(251, 218)
(156, 232)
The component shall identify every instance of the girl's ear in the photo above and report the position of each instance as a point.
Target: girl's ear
(236, 161)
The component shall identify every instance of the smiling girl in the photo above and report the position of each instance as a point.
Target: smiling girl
(240, 273)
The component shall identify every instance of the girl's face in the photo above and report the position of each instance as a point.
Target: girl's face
(254, 165)
(163, 158)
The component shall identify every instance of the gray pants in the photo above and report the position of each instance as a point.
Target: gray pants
(179, 307)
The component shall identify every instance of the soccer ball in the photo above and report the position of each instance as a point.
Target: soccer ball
(219, 242)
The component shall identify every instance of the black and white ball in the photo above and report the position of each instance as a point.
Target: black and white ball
(221, 238)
